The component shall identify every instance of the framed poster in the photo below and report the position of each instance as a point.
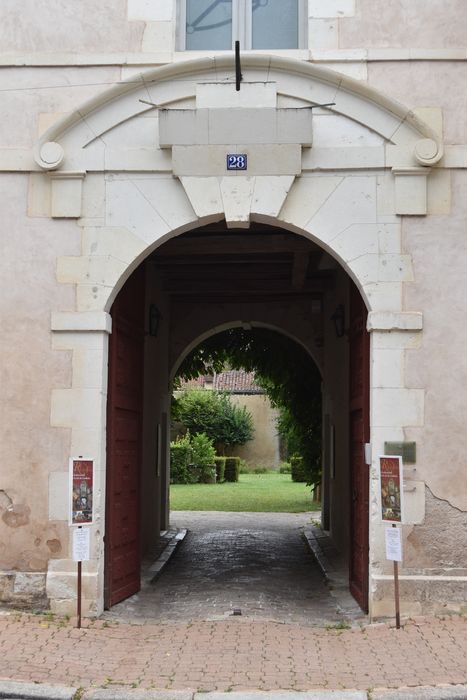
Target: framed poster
(391, 488)
(81, 491)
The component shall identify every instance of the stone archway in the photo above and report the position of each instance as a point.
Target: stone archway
(129, 201)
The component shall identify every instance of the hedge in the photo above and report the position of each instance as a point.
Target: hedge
(298, 469)
(232, 468)
(220, 468)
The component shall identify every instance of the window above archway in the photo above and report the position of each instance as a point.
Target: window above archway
(258, 24)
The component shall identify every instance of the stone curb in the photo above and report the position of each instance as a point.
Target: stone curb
(13, 690)
(336, 581)
(109, 694)
(118, 694)
(449, 692)
(286, 695)
(154, 571)
(16, 690)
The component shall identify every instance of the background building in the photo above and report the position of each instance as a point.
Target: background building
(263, 450)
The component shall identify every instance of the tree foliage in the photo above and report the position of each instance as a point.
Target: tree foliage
(214, 414)
(286, 372)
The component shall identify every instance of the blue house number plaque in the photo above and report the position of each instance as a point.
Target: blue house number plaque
(237, 161)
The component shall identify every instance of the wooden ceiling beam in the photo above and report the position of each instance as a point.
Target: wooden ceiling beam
(236, 244)
(170, 263)
(242, 286)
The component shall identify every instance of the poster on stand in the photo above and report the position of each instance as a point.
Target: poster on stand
(391, 491)
(81, 544)
(393, 538)
(81, 491)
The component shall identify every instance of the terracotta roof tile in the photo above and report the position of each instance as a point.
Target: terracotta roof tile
(235, 380)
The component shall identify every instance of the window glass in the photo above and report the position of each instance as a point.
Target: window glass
(208, 24)
(275, 24)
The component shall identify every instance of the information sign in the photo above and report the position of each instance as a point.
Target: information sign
(393, 544)
(81, 544)
(81, 491)
(390, 471)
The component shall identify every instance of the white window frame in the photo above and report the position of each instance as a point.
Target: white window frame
(242, 26)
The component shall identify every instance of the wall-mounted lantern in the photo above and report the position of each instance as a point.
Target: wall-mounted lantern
(338, 319)
(154, 320)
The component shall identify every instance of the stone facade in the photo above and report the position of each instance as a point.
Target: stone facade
(97, 173)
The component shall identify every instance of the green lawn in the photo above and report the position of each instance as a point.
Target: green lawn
(260, 493)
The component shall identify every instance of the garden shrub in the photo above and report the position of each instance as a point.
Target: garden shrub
(232, 468)
(204, 456)
(220, 468)
(285, 468)
(298, 468)
(180, 461)
(192, 459)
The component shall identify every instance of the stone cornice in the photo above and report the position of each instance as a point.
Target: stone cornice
(58, 59)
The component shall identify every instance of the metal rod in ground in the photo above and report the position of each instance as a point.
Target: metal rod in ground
(79, 596)
(396, 594)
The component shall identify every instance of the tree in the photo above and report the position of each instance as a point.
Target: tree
(213, 413)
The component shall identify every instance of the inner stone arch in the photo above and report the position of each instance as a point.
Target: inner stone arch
(237, 324)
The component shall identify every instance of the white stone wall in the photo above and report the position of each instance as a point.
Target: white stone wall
(363, 191)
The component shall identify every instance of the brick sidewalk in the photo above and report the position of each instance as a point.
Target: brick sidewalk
(232, 654)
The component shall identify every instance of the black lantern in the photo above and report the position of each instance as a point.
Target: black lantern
(338, 318)
(154, 320)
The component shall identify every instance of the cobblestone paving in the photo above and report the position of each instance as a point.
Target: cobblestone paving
(232, 654)
(258, 563)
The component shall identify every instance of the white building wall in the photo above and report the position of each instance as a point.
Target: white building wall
(405, 258)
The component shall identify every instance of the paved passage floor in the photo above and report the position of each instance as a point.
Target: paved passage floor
(257, 563)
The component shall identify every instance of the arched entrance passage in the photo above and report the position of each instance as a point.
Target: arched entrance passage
(121, 165)
(195, 285)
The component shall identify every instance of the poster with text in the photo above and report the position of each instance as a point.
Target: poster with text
(81, 543)
(393, 537)
(82, 491)
(390, 474)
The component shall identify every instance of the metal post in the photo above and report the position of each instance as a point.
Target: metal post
(78, 602)
(396, 592)
(79, 595)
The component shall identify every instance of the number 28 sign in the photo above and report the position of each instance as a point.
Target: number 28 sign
(237, 161)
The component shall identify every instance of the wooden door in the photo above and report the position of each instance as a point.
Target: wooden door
(359, 434)
(124, 438)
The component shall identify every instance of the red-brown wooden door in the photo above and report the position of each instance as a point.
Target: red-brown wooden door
(124, 448)
(359, 434)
